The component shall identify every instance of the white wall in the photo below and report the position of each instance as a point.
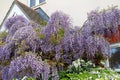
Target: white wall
(5, 6)
(77, 9)
(15, 10)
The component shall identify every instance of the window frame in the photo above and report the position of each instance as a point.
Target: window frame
(115, 45)
(37, 2)
(41, 1)
(42, 14)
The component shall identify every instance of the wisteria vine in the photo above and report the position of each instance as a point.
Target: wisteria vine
(58, 44)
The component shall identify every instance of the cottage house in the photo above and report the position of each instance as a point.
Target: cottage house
(17, 8)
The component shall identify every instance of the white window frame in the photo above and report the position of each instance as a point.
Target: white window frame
(36, 3)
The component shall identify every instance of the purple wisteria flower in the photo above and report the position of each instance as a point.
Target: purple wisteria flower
(29, 65)
(96, 44)
(58, 43)
(57, 20)
(21, 33)
(5, 75)
(6, 51)
(58, 37)
(55, 73)
(46, 71)
(28, 35)
(14, 20)
(13, 24)
(103, 22)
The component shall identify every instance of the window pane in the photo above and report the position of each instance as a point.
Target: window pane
(115, 58)
(42, 14)
(41, 1)
(32, 3)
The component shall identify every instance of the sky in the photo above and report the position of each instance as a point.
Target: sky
(76, 9)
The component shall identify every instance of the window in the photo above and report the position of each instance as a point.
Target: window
(42, 14)
(114, 60)
(32, 3)
(40, 1)
(35, 2)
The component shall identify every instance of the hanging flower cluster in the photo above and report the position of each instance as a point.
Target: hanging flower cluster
(21, 36)
(63, 44)
(104, 22)
(29, 65)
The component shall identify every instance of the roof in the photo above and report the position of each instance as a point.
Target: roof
(32, 14)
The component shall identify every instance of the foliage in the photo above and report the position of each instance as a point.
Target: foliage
(105, 75)
(80, 66)
(3, 35)
(43, 22)
(26, 78)
(87, 71)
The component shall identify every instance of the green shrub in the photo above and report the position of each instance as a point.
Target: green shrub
(95, 74)
(26, 78)
(87, 71)
(80, 66)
